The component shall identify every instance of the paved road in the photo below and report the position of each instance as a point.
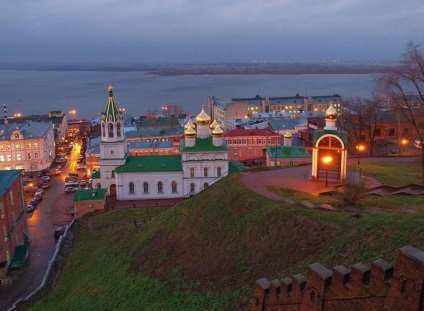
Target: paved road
(53, 211)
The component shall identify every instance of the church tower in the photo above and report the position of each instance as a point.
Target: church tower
(113, 145)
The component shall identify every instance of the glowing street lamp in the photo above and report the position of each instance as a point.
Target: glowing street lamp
(17, 115)
(403, 143)
(360, 148)
(164, 110)
(327, 160)
(122, 110)
(73, 112)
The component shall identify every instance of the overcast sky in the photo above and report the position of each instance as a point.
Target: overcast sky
(168, 31)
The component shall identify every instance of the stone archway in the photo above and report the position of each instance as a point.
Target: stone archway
(329, 145)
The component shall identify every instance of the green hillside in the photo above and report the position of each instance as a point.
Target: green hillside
(206, 252)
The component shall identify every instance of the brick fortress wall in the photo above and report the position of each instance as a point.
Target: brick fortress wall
(379, 288)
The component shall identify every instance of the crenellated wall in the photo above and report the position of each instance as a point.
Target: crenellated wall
(358, 288)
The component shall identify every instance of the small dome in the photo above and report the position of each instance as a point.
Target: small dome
(213, 124)
(217, 131)
(288, 135)
(331, 113)
(188, 124)
(189, 132)
(110, 88)
(203, 118)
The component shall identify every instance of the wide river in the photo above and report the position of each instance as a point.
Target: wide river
(37, 92)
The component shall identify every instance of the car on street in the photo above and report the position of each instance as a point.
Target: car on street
(26, 179)
(81, 167)
(39, 192)
(33, 203)
(69, 189)
(45, 178)
(30, 208)
(59, 231)
(73, 174)
(45, 186)
(38, 198)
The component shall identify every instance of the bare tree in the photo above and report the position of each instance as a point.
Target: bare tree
(360, 117)
(403, 87)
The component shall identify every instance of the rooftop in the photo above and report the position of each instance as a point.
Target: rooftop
(250, 133)
(150, 144)
(154, 163)
(89, 195)
(203, 144)
(28, 129)
(7, 178)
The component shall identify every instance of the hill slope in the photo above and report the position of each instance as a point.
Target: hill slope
(205, 253)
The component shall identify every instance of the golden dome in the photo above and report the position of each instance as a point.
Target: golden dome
(331, 113)
(188, 124)
(213, 124)
(110, 88)
(189, 132)
(288, 135)
(203, 118)
(217, 131)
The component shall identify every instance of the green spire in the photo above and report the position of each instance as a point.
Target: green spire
(112, 112)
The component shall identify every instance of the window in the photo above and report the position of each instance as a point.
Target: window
(259, 140)
(36, 155)
(110, 129)
(7, 147)
(113, 174)
(16, 135)
(250, 151)
(111, 152)
(145, 187)
(391, 132)
(235, 151)
(174, 186)
(218, 172)
(1, 158)
(18, 157)
(118, 129)
(1, 147)
(205, 172)
(18, 146)
(29, 156)
(29, 145)
(35, 145)
(12, 198)
(205, 185)
(192, 172)
(376, 132)
(9, 157)
(192, 187)
(131, 186)
(160, 187)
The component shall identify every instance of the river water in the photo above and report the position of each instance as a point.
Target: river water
(37, 92)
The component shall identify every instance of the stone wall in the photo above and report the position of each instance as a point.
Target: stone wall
(378, 288)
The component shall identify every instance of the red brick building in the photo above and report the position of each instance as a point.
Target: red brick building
(13, 222)
(250, 144)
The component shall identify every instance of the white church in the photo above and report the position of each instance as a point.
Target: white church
(202, 162)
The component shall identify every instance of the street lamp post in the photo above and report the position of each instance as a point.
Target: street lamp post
(73, 112)
(359, 149)
(327, 161)
(403, 143)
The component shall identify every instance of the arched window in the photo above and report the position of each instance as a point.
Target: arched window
(99, 185)
(218, 172)
(118, 129)
(192, 172)
(160, 187)
(205, 185)
(131, 186)
(113, 174)
(110, 129)
(174, 186)
(146, 187)
(192, 187)
(205, 172)
(103, 130)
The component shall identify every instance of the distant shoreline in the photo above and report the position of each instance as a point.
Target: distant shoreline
(218, 70)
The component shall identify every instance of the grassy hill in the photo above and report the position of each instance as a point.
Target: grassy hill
(206, 252)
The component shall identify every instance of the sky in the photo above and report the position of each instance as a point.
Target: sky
(207, 31)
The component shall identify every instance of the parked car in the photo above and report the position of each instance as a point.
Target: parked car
(59, 231)
(33, 203)
(45, 178)
(82, 183)
(81, 167)
(39, 192)
(70, 179)
(72, 184)
(30, 208)
(73, 174)
(69, 189)
(29, 189)
(26, 179)
(38, 198)
(46, 186)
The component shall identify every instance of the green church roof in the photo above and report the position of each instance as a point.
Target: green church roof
(341, 134)
(287, 152)
(203, 144)
(111, 112)
(160, 163)
(89, 195)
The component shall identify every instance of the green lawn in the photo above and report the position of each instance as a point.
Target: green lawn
(206, 252)
(126, 214)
